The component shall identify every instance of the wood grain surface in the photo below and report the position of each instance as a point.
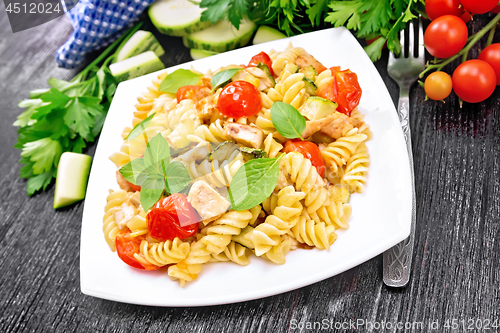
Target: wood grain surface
(455, 273)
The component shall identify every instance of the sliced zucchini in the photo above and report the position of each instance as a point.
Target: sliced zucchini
(316, 108)
(251, 153)
(309, 72)
(222, 151)
(71, 182)
(221, 37)
(266, 70)
(140, 42)
(310, 86)
(176, 17)
(200, 54)
(267, 34)
(240, 239)
(136, 66)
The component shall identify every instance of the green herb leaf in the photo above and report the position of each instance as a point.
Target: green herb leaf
(24, 119)
(157, 151)
(134, 133)
(287, 120)
(253, 182)
(44, 153)
(149, 197)
(132, 169)
(177, 79)
(80, 115)
(177, 177)
(38, 182)
(222, 77)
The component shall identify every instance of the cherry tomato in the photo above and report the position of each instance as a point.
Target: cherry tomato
(474, 81)
(195, 93)
(127, 246)
(239, 99)
(495, 10)
(438, 86)
(466, 16)
(264, 58)
(172, 217)
(479, 6)
(344, 90)
(445, 36)
(310, 150)
(491, 55)
(437, 8)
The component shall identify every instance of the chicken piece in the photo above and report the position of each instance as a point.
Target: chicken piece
(245, 134)
(207, 202)
(305, 59)
(339, 125)
(124, 214)
(136, 199)
(206, 108)
(265, 81)
(313, 126)
(122, 182)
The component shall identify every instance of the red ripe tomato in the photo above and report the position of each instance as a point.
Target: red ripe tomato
(466, 16)
(192, 92)
(479, 6)
(239, 99)
(445, 36)
(345, 90)
(172, 217)
(474, 81)
(491, 55)
(264, 58)
(496, 10)
(437, 8)
(310, 150)
(127, 246)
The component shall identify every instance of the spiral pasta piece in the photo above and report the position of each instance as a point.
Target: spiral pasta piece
(217, 176)
(290, 89)
(209, 133)
(162, 253)
(286, 57)
(272, 147)
(337, 153)
(114, 202)
(278, 252)
(234, 252)
(356, 170)
(314, 234)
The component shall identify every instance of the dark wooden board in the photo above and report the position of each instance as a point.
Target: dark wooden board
(456, 258)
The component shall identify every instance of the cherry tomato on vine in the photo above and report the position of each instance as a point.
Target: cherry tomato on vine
(495, 10)
(474, 81)
(127, 246)
(172, 217)
(239, 99)
(445, 36)
(437, 8)
(479, 6)
(310, 150)
(438, 86)
(344, 90)
(264, 58)
(491, 55)
(466, 16)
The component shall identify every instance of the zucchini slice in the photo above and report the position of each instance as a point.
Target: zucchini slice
(267, 34)
(176, 17)
(144, 63)
(316, 108)
(140, 42)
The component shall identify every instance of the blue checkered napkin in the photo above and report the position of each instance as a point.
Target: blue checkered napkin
(95, 23)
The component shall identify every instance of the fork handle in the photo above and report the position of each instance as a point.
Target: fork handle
(397, 260)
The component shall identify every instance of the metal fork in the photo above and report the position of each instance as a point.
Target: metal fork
(405, 70)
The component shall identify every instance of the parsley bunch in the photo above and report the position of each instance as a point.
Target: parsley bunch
(367, 18)
(65, 117)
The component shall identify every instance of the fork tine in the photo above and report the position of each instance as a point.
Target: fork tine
(421, 47)
(412, 40)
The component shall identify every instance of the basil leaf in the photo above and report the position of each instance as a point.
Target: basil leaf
(253, 182)
(149, 197)
(157, 151)
(222, 77)
(177, 177)
(132, 170)
(156, 171)
(177, 79)
(154, 181)
(134, 133)
(287, 120)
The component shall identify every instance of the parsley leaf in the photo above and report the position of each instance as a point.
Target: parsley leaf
(40, 181)
(80, 115)
(44, 154)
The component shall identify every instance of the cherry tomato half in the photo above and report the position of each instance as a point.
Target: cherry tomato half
(239, 99)
(445, 36)
(491, 55)
(438, 86)
(310, 150)
(437, 8)
(479, 6)
(264, 58)
(344, 90)
(127, 246)
(172, 217)
(474, 81)
(195, 93)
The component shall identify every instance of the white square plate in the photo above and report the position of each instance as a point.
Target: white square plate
(380, 218)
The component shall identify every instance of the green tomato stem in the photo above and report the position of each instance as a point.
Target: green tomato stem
(491, 35)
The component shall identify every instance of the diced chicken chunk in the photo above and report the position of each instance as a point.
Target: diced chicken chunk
(207, 202)
(245, 134)
(206, 108)
(136, 199)
(339, 125)
(312, 126)
(305, 59)
(124, 214)
(265, 81)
